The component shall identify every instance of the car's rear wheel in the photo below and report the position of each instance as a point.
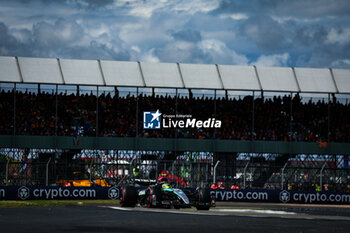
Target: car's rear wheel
(204, 199)
(128, 197)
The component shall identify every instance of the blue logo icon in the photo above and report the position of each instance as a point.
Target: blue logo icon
(151, 120)
(284, 196)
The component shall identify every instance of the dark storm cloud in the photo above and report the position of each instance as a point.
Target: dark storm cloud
(331, 56)
(266, 33)
(9, 45)
(60, 39)
(262, 32)
(61, 33)
(310, 35)
(187, 35)
(81, 3)
(310, 8)
(95, 51)
(5, 38)
(303, 28)
(287, 8)
(96, 3)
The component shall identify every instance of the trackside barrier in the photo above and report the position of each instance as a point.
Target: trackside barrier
(57, 193)
(240, 195)
(278, 196)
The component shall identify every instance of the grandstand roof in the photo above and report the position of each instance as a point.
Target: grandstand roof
(173, 75)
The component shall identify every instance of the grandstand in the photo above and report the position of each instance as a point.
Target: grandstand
(281, 127)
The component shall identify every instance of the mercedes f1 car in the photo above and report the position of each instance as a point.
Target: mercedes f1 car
(165, 196)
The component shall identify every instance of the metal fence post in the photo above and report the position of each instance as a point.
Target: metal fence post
(47, 172)
(253, 115)
(284, 167)
(56, 115)
(137, 117)
(130, 166)
(14, 110)
(206, 173)
(199, 174)
(191, 176)
(321, 174)
(90, 167)
(7, 172)
(244, 174)
(97, 112)
(329, 118)
(214, 177)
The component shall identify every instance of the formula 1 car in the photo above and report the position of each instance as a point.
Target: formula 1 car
(81, 179)
(164, 196)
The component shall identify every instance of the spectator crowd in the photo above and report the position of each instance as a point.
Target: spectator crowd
(122, 116)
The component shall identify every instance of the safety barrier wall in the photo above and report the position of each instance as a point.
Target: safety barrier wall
(281, 196)
(57, 193)
(236, 195)
(168, 144)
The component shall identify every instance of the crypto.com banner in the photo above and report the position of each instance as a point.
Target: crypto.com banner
(248, 195)
(281, 196)
(55, 193)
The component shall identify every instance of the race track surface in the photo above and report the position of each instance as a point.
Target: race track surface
(236, 217)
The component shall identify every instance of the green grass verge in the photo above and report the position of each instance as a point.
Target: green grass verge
(32, 203)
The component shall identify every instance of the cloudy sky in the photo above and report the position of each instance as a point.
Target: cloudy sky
(301, 33)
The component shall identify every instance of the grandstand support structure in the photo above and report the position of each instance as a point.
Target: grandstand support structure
(173, 75)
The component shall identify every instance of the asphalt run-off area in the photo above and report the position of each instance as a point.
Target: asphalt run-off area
(226, 217)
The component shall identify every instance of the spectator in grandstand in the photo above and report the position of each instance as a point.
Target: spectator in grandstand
(36, 115)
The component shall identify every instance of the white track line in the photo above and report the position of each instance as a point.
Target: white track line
(252, 211)
(235, 212)
(211, 212)
(157, 210)
(117, 208)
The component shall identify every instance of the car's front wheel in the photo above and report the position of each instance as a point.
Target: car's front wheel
(128, 197)
(153, 195)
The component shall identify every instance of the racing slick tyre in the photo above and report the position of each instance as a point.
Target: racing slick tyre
(128, 197)
(204, 199)
(153, 195)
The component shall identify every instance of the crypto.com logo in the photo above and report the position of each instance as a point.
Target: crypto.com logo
(23, 192)
(284, 196)
(151, 120)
